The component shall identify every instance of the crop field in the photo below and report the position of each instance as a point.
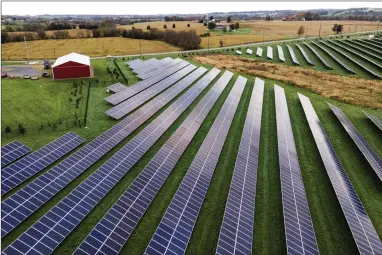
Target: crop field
(41, 49)
(331, 229)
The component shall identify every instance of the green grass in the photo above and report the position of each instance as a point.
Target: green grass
(333, 234)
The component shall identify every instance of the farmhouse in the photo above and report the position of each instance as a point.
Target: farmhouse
(73, 65)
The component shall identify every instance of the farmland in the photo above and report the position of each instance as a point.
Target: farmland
(333, 234)
(250, 32)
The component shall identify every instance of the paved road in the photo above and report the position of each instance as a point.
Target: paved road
(220, 48)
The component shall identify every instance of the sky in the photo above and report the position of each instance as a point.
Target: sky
(146, 8)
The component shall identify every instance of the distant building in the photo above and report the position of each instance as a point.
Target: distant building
(70, 66)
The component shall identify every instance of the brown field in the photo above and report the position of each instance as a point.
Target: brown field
(90, 46)
(179, 26)
(289, 28)
(356, 91)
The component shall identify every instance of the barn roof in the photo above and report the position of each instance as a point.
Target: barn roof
(75, 57)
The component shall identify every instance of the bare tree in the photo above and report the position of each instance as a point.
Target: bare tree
(301, 31)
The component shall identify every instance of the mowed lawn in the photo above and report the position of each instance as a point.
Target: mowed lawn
(92, 47)
(332, 231)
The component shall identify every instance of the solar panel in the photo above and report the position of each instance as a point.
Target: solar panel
(137, 64)
(376, 41)
(375, 51)
(27, 200)
(175, 228)
(326, 64)
(371, 43)
(124, 108)
(269, 52)
(364, 234)
(334, 57)
(281, 53)
(116, 87)
(20, 171)
(144, 64)
(236, 231)
(359, 140)
(299, 231)
(358, 48)
(71, 210)
(133, 62)
(133, 203)
(306, 56)
(259, 52)
(13, 151)
(150, 67)
(355, 61)
(249, 51)
(159, 68)
(293, 55)
(142, 85)
(374, 119)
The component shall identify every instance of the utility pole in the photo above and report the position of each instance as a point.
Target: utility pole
(54, 53)
(140, 49)
(319, 31)
(378, 26)
(208, 44)
(26, 47)
(263, 35)
(306, 32)
(356, 28)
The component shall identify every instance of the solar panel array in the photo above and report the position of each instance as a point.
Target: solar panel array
(293, 55)
(150, 67)
(364, 234)
(162, 65)
(358, 48)
(20, 171)
(142, 85)
(259, 52)
(175, 228)
(125, 214)
(116, 87)
(133, 62)
(334, 57)
(236, 231)
(355, 52)
(140, 66)
(27, 200)
(355, 61)
(249, 51)
(13, 151)
(299, 231)
(306, 56)
(71, 210)
(281, 53)
(363, 46)
(124, 108)
(374, 119)
(359, 140)
(269, 52)
(373, 44)
(377, 40)
(326, 64)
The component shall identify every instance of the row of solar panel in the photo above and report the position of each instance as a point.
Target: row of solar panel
(13, 151)
(341, 47)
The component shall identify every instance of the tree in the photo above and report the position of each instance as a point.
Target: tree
(237, 25)
(229, 19)
(41, 34)
(173, 25)
(211, 17)
(221, 43)
(205, 24)
(301, 31)
(5, 37)
(232, 26)
(148, 27)
(124, 33)
(308, 16)
(164, 26)
(337, 28)
(7, 130)
(211, 25)
(188, 25)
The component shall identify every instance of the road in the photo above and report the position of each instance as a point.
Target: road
(219, 48)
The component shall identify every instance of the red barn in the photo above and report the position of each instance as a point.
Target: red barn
(73, 65)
